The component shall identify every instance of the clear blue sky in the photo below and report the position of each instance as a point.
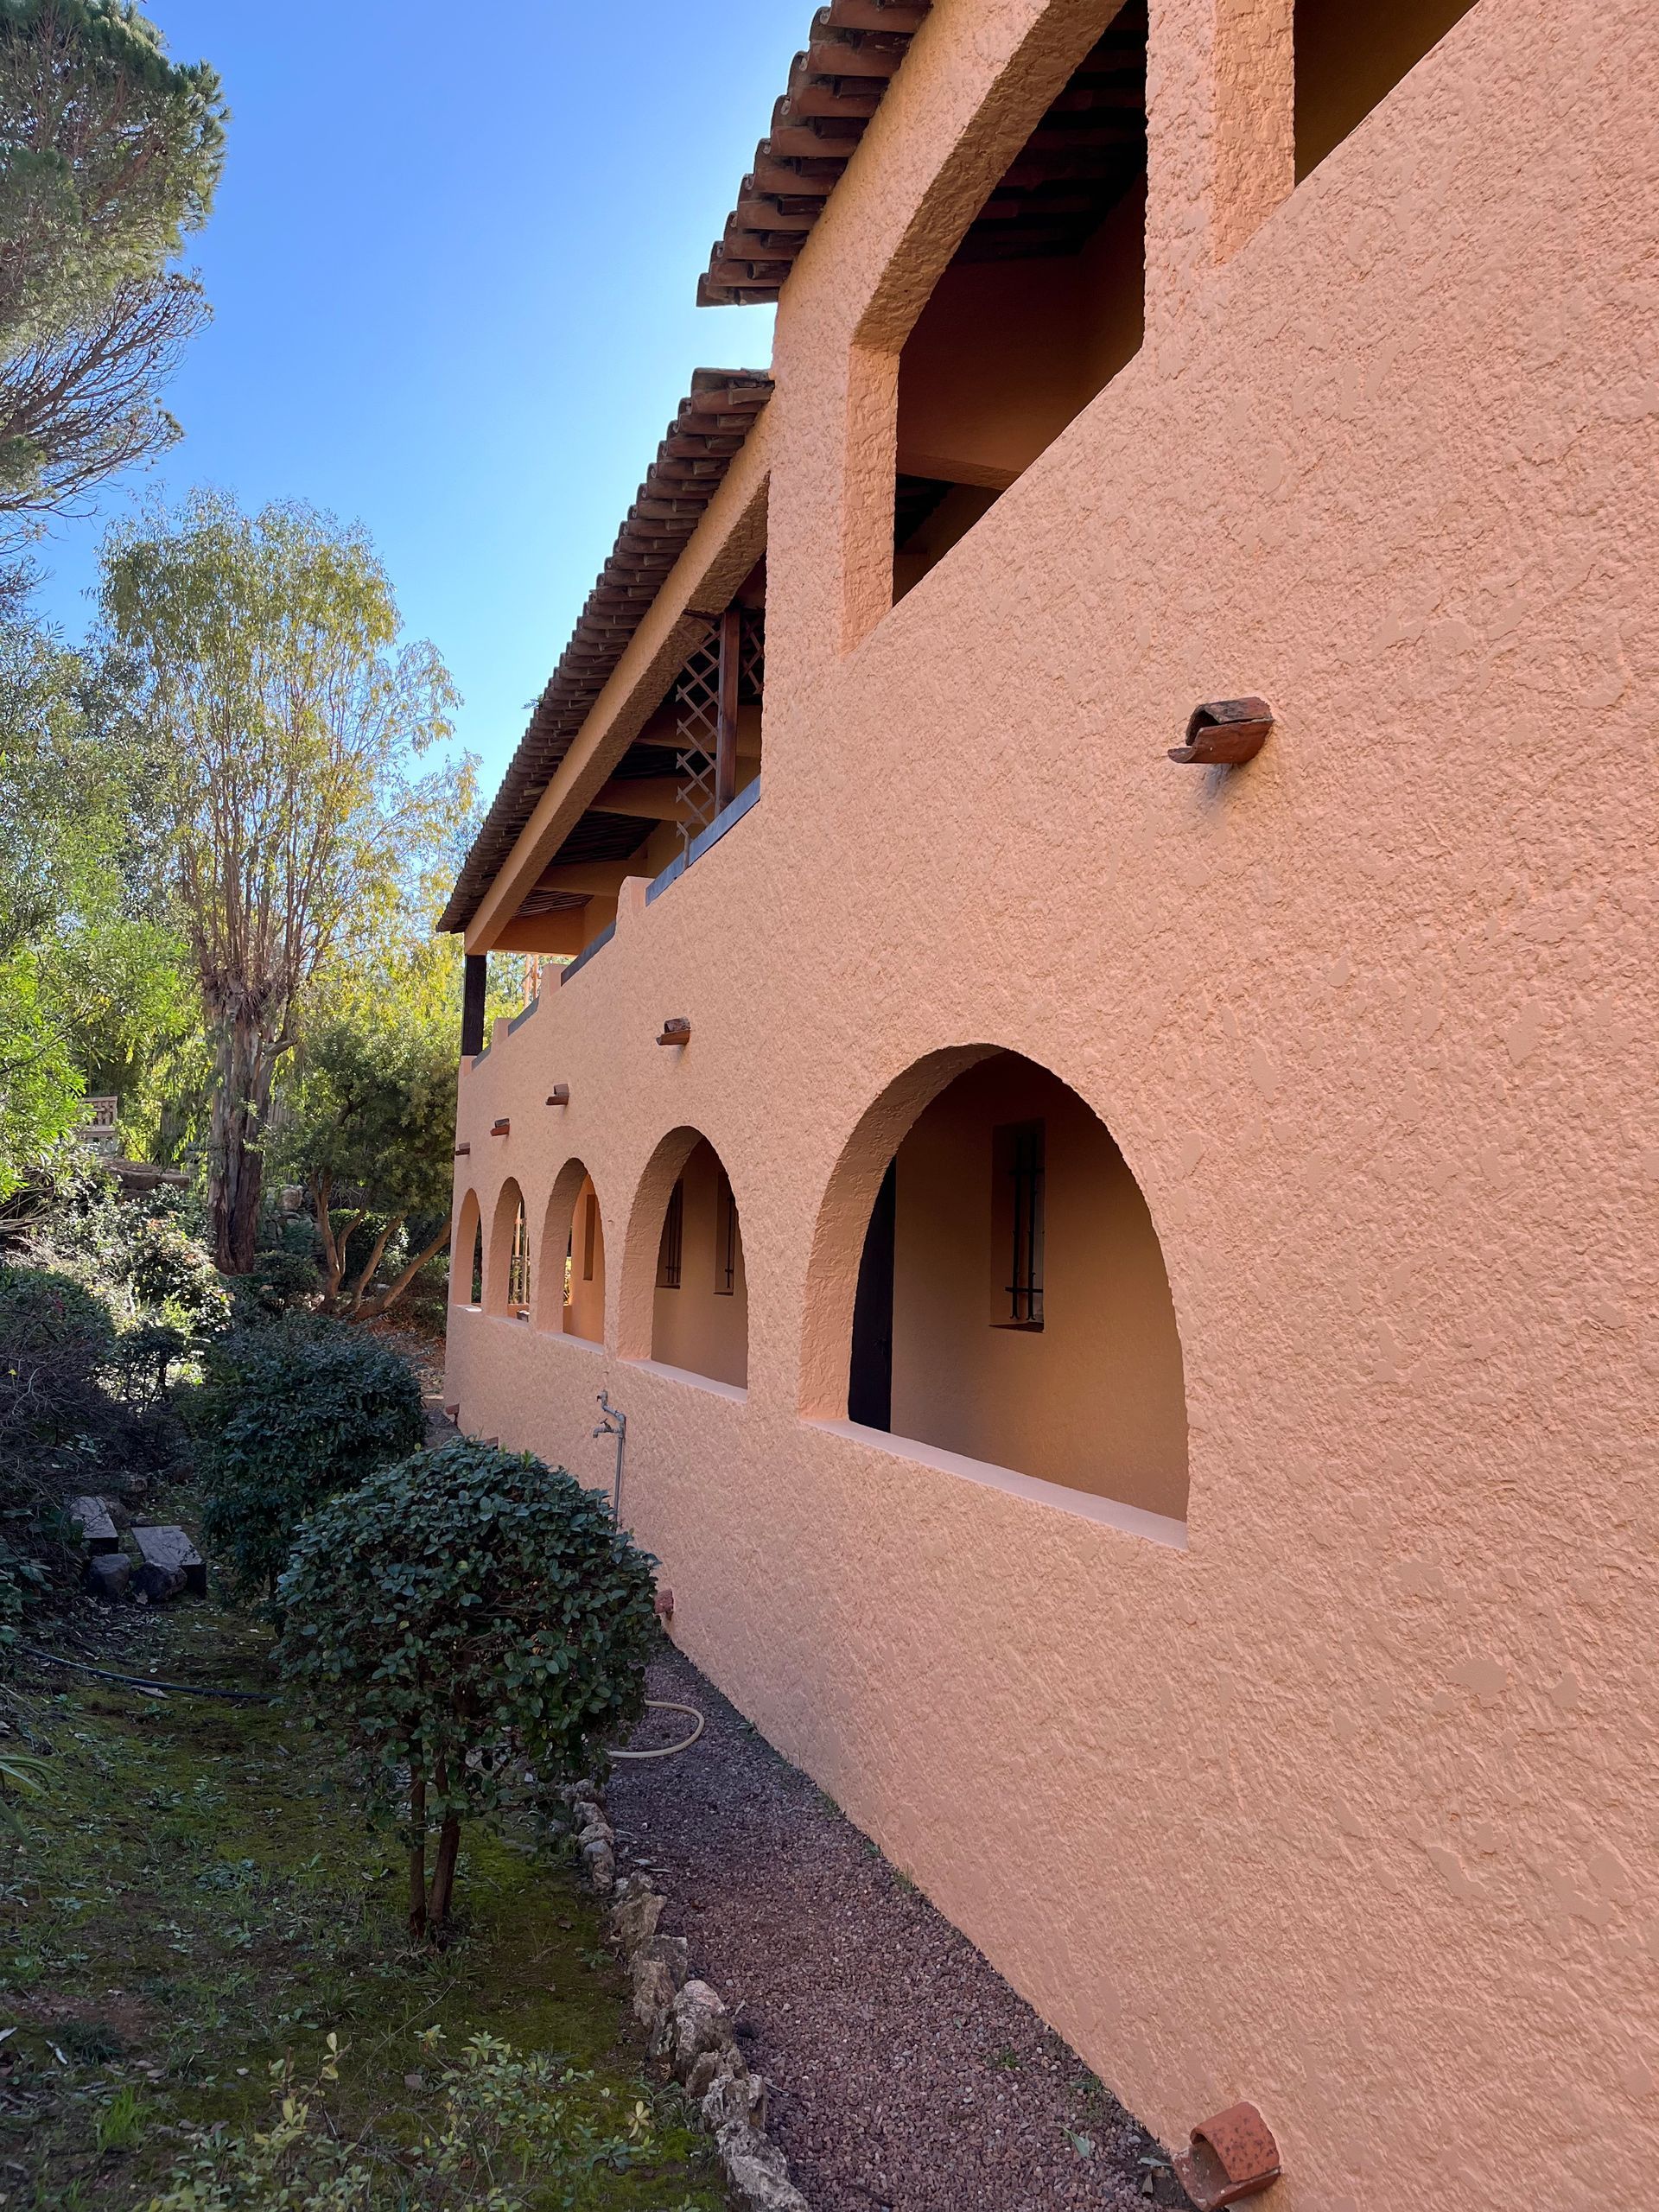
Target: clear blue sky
(454, 263)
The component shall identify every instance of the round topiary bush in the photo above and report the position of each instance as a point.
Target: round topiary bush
(287, 1415)
(459, 1614)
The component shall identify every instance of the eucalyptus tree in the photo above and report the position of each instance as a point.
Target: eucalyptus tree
(109, 154)
(269, 673)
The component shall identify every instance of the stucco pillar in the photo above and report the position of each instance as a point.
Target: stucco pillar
(1221, 138)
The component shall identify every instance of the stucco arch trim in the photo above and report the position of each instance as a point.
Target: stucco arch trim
(462, 1242)
(556, 1237)
(498, 1246)
(1096, 1409)
(637, 1326)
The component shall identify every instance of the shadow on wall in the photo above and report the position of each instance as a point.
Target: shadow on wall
(1012, 1304)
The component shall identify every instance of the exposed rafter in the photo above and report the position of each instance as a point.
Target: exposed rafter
(705, 436)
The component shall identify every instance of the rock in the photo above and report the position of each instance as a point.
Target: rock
(756, 2171)
(106, 1575)
(170, 1562)
(697, 2021)
(601, 1862)
(730, 2096)
(653, 1991)
(97, 1529)
(635, 1917)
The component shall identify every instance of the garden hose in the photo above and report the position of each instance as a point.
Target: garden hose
(149, 1681)
(666, 1751)
(265, 1697)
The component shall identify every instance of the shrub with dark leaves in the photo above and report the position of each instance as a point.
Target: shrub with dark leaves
(57, 1343)
(459, 1615)
(288, 1413)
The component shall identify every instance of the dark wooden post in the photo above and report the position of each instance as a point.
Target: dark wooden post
(731, 655)
(475, 982)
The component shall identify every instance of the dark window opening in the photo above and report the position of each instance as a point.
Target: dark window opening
(869, 1382)
(669, 1250)
(725, 1237)
(590, 1230)
(1042, 304)
(1350, 56)
(1017, 1208)
(477, 1296)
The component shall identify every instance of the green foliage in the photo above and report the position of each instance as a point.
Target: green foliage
(514, 2133)
(270, 671)
(141, 1258)
(57, 1342)
(41, 1089)
(286, 1416)
(463, 1613)
(112, 153)
(370, 1106)
(109, 154)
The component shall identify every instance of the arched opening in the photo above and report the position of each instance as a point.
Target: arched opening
(1042, 301)
(571, 1277)
(506, 1283)
(467, 1268)
(1001, 1289)
(686, 1256)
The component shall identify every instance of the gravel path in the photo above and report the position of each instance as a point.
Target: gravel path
(907, 2076)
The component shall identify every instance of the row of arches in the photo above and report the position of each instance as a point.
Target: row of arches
(550, 1273)
(984, 1279)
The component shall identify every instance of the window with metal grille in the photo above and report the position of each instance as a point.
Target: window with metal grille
(1017, 1159)
(519, 1266)
(668, 1252)
(725, 1237)
(590, 1231)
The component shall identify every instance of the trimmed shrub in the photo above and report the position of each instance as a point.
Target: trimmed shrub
(286, 1415)
(459, 1614)
(57, 1342)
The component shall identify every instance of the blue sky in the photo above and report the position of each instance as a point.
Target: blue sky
(454, 263)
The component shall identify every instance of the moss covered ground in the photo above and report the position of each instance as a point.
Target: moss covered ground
(196, 1894)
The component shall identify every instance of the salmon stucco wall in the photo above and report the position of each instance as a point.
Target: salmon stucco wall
(1345, 1802)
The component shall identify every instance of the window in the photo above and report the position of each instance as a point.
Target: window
(569, 1267)
(475, 1296)
(1017, 1162)
(518, 1267)
(590, 1229)
(725, 1237)
(1350, 56)
(673, 1239)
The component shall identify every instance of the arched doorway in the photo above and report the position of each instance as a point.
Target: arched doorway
(1010, 1301)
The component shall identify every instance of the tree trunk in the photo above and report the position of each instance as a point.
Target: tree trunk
(366, 1276)
(443, 1872)
(334, 1242)
(417, 1854)
(245, 1061)
(372, 1307)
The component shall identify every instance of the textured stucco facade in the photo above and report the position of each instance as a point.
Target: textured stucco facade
(1345, 1802)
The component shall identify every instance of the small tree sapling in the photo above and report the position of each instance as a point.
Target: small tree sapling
(460, 1613)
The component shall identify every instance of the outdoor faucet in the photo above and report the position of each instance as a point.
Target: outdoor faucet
(613, 1422)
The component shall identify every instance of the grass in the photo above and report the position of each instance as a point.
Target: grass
(194, 1896)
